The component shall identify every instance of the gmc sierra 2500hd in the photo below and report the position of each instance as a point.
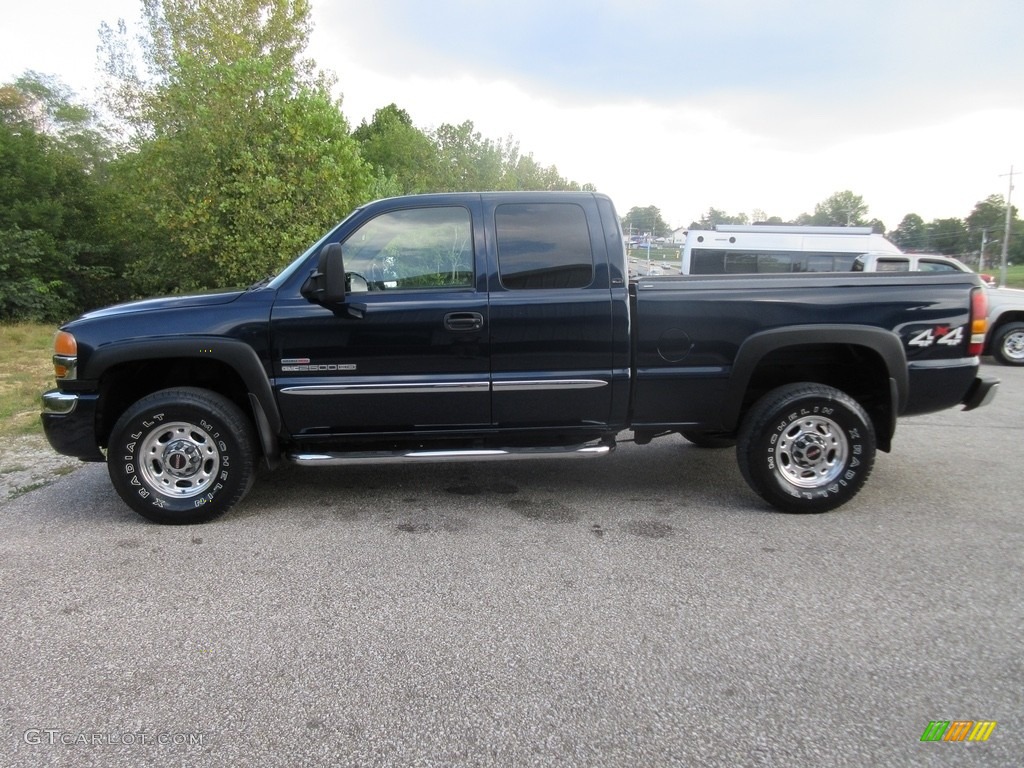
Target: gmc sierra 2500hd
(463, 327)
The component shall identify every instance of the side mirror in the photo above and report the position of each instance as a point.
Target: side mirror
(326, 285)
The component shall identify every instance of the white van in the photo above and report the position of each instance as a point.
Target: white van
(736, 249)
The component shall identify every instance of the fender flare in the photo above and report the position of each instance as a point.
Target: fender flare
(237, 355)
(885, 343)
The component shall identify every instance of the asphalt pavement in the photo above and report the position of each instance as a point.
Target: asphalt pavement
(645, 609)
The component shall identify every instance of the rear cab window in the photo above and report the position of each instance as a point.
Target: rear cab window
(927, 265)
(892, 265)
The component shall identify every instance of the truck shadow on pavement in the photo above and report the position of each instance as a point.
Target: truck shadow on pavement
(654, 482)
(641, 487)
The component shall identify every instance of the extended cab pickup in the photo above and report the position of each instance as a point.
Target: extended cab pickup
(463, 327)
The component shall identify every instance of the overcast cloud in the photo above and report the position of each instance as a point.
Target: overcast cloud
(736, 104)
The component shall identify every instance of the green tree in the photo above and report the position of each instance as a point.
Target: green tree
(911, 234)
(54, 257)
(841, 209)
(647, 221)
(397, 150)
(948, 236)
(713, 217)
(238, 155)
(990, 214)
(466, 160)
(989, 217)
(49, 107)
(452, 158)
(524, 172)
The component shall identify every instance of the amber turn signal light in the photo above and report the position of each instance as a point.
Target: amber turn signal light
(65, 350)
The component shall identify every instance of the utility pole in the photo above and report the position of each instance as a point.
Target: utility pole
(1006, 232)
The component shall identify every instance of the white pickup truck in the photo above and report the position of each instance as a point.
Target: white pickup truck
(913, 262)
(1005, 338)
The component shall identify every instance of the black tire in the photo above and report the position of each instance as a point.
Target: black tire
(182, 456)
(806, 448)
(1008, 344)
(708, 439)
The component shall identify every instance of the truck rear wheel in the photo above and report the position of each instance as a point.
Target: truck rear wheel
(806, 448)
(1008, 344)
(182, 456)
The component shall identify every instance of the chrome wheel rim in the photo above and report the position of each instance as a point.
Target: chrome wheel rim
(1013, 345)
(179, 460)
(811, 451)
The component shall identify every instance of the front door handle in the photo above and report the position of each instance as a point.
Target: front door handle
(463, 321)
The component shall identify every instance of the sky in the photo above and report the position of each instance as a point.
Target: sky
(740, 105)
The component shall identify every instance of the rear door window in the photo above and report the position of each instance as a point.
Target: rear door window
(543, 246)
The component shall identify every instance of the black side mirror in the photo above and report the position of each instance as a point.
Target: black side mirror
(326, 285)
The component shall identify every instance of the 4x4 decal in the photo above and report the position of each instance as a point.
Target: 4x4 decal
(940, 334)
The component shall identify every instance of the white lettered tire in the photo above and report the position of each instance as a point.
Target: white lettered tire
(806, 448)
(182, 456)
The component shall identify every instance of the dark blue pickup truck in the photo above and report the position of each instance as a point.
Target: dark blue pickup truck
(464, 327)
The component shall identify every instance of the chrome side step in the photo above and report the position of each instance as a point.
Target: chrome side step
(580, 451)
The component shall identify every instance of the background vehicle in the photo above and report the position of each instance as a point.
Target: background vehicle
(466, 327)
(734, 249)
(1005, 339)
(913, 262)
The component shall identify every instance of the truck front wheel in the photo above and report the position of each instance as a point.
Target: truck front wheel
(182, 456)
(806, 448)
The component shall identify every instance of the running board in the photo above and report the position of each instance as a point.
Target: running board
(580, 451)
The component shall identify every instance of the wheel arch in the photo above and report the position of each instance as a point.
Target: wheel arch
(867, 363)
(128, 371)
(995, 324)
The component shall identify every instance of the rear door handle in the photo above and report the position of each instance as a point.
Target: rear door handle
(463, 321)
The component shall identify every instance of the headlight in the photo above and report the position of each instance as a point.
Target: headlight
(65, 358)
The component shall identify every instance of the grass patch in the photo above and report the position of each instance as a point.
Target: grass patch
(657, 254)
(26, 372)
(27, 489)
(1014, 274)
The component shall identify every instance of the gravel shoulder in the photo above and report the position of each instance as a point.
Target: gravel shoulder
(28, 462)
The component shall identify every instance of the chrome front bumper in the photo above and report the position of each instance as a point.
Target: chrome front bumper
(59, 403)
(69, 423)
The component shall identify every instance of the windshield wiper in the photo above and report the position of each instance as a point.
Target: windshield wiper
(260, 283)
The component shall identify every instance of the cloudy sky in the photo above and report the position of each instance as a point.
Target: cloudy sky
(916, 105)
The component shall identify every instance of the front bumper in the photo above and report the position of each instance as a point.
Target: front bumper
(981, 393)
(69, 422)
